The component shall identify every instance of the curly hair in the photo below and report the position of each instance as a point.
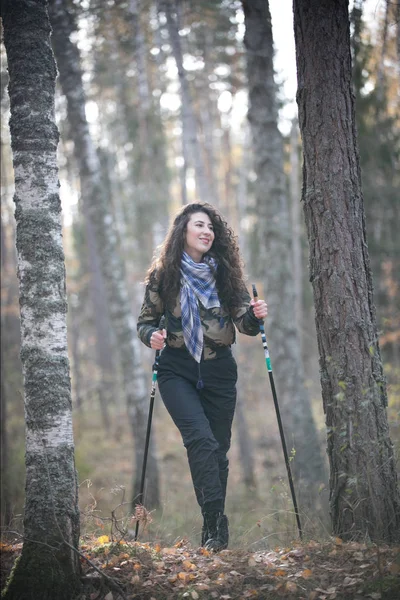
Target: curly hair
(229, 275)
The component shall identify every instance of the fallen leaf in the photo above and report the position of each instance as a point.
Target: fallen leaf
(251, 562)
(306, 573)
(296, 553)
(135, 579)
(338, 541)
(350, 581)
(291, 587)
(202, 586)
(182, 576)
(173, 578)
(157, 547)
(109, 596)
(195, 595)
(279, 573)
(103, 539)
(394, 569)
(169, 551)
(312, 595)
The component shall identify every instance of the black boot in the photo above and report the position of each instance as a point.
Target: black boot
(204, 532)
(215, 532)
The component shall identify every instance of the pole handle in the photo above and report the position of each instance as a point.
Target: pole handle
(255, 296)
(161, 324)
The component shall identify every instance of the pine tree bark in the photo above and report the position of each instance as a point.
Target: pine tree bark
(98, 212)
(48, 567)
(296, 227)
(274, 261)
(364, 497)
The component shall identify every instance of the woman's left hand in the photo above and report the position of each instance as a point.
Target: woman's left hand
(260, 308)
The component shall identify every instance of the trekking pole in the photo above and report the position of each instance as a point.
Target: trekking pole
(146, 446)
(278, 416)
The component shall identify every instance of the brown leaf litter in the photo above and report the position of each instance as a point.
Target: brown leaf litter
(308, 571)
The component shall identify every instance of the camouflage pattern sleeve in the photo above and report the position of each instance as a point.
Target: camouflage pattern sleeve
(244, 318)
(151, 311)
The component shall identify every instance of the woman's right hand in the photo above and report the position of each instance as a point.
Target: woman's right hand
(157, 340)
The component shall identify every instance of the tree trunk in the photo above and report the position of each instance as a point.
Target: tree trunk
(364, 497)
(152, 181)
(246, 453)
(274, 259)
(104, 350)
(296, 227)
(48, 567)
(398, 33)
(75, 333)
(98, 212)
(380, 71)
(4, 468)
(189, 126)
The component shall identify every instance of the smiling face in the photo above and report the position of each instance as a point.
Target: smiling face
(199, 235)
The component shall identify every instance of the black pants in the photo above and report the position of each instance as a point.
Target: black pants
(203, 417)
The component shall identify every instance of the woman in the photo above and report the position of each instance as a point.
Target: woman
(197, 283)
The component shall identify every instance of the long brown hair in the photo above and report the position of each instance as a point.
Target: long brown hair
(166, 267)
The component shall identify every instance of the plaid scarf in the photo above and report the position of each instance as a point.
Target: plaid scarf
(197, 284)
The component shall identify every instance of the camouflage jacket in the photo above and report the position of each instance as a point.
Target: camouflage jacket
(218, 323)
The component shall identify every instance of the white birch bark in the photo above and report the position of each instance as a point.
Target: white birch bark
(152, 177)
(191, 142)
(48, 567)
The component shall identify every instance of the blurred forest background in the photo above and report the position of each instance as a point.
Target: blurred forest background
(152, 99)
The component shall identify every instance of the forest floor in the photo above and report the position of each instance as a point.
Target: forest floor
(309, 571)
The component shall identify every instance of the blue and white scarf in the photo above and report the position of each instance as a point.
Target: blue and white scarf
(197, 284)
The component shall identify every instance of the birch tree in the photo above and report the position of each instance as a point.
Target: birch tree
(364, 497)
(274, 260)
(191, 145)
(152, 176)
(48, 567)
(97, 210)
